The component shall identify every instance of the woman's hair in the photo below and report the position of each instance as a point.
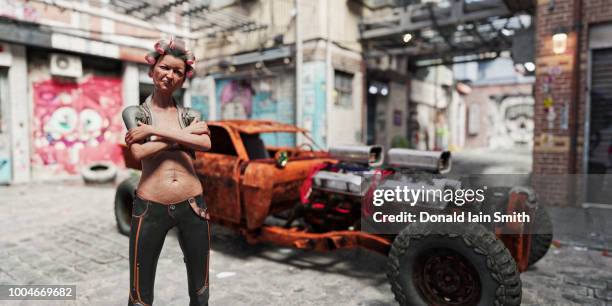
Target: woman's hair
(175, 48)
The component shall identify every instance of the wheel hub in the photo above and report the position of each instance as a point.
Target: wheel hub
(444, 276)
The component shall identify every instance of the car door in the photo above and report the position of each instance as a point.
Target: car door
(219, 172)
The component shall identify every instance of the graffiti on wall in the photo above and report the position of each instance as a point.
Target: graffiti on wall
(313, 97)
(5, 160)
(76, 123)
(512, 121)
(200, 97)
(236, 99)
(265, 98)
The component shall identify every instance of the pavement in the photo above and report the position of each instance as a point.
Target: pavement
(64, 233)
(583, 227)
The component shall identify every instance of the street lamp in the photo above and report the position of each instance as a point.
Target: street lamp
(407, 37)
(384, 91)
(373, 89)
(559, 41)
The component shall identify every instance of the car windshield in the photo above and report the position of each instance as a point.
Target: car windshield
(256, 144)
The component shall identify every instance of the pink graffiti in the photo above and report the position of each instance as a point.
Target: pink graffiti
(238, 92)
(77, 123)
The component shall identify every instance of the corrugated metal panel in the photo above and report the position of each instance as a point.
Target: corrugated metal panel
(600, 134)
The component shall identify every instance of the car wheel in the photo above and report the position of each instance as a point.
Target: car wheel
(124, 199)
(452, 264)
(542, 235)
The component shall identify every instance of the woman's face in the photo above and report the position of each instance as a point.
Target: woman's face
(168, 73)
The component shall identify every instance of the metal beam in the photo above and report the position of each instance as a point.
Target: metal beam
(458, 12)
(439, 50)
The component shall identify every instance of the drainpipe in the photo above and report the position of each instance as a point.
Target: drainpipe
(298, 71)
(573, 159)
(329, 82)
(577, 26)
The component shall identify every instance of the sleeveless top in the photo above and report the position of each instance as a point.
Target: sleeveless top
(134, 113)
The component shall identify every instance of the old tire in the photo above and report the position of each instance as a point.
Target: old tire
(452, 264)
(124, 199)
(99, 173)
(542, 237)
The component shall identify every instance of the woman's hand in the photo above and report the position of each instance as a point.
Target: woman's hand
(198, 127)
(141, 132)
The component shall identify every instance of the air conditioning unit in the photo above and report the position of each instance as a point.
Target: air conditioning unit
(66, 65)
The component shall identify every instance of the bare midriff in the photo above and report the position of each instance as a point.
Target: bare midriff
(169, 176)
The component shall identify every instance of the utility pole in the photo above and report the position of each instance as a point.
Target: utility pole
(298, 72)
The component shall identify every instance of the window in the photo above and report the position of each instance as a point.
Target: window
(221, 141)
(255, 147)
(343, 89)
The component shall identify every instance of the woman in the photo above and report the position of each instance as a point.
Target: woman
(169, 192)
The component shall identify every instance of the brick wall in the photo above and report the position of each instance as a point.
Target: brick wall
(558, 150)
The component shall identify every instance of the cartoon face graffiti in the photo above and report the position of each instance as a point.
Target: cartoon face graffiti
(518, 118)
(75, 124)
(69, 125)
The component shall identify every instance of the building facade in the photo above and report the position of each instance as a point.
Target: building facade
(67, 69)
(573, 114)
(252, 75)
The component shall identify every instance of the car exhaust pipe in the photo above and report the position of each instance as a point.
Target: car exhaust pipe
(371, 156)
(431, 161)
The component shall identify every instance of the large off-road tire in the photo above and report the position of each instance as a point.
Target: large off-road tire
(452, 264)
(124, 199)
(542, 237)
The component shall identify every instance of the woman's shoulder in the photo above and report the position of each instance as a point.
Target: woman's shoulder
(132, 114)
(132, 110)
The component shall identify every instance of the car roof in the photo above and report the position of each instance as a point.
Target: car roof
(257, 126)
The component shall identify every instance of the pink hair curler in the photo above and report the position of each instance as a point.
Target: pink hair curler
(158, 48)
(150, 59)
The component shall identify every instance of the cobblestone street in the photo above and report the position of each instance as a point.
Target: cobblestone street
(64, 233)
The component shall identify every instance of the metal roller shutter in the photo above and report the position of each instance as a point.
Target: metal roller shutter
(600, 132)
